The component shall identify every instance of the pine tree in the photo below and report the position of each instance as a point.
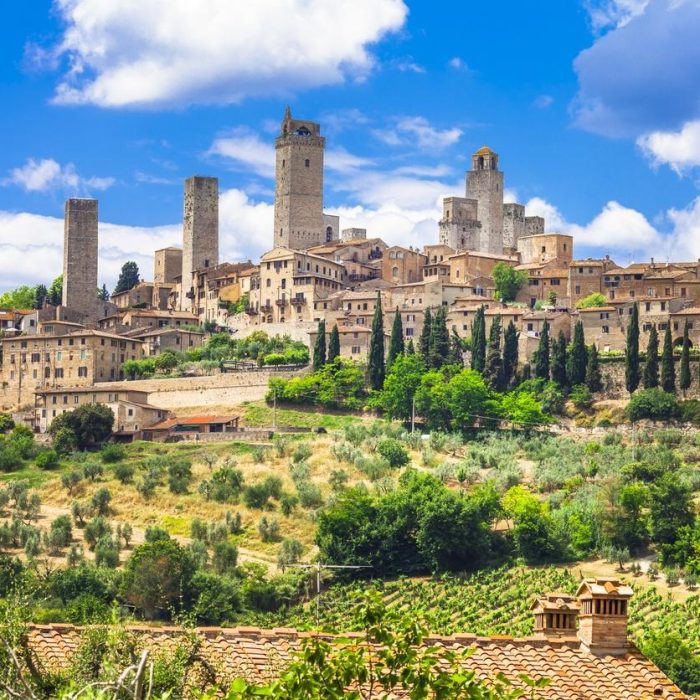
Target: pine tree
(128, 277)
(334, 344)
(40, 294)
(594, 378)
(103, 294)
(424, 340)
(479, 341)
(510, 353)
(493, 371)
(576, 364)
(668, 368)
(320, 346)
(375, 365)
(632, 352)
(651, 366)
(542, 354)
(396, 345)
(439, 339)
(684, 381)
(455, 356)
(559, 361)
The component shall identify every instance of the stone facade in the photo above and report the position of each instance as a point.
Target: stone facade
(485, 185)
(80, 257)
(353, 234)
(167, 265)
(331, 227)
(299, 220)
(200, 233)
(459, 227)
(513, 225)
(545, 248)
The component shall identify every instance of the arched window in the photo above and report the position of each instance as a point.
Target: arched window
(329, 233)
(481, 163)
(394, 271)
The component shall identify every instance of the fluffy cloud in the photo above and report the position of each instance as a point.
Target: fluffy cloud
(418, 131)
(136, 54)
(642, 75)
(678, 149)
(46, 174)
(614, 13)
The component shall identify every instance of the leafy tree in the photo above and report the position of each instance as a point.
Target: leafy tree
(593, 300)
(493, 371)
(542, 354)
(508, 281)
(90, 424)
(55, 295)
(632, 352)
(410, 347)
(23, 297)
(225, 558)
(439, 339)
(320, 346)
(7, 423)
(376, 368)
(559, 374)
(393, 452)
(652, 404)
(40, 294)
(101, 500)
(334, 344)
(576, 364)
(400, 386)
(424, 340)
(651, 365)
(510, 353)
(468, 397)
(684, 382)
(675, 657)
(625, 523)
(479, 340)
(396, 346)
(179, 475)
(670, 508)
(668, 367)
(128, 277)
(522, 407)
(594, 378)
(166, 361)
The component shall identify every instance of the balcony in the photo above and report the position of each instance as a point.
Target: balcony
(251, 310)
(266, 308)
(282, 302)
(298, 300)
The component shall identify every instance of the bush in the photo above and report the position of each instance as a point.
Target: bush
(652, 404)
(225, 558)
(124, 473)
(257, 496)
(107, 553)
(310, 495)
(47, 459)
(179, 475)
(581, 397)
(6, 423)
(689, 411)
(112, 453)
(61, 531)
(269, 529)
(10, 457)
(100, 501)
(92, 470)
(226, 485)
(95, 530)
(393, 452)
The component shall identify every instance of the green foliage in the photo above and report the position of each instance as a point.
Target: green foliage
(47, 459)
(112, 453)
(684, 382)
(652, 404)
(676, 658)
(124, 473)
(333, 344)
(493, 371)
(320, 346)
(508, 281)
(651, 365)
(396, 344)
(128, 277)
(593, 300)
(424, 340)
(581, 397)
(7, 423)
(542, 354)
(100, 501)
(166, 361)
(559, 374)
(225, 558)
(400, 386)
(578, 357)
(23, 297)
(632, 352)
(668, 366)
(478, 341)
(594, 378)
(91, 424)
(179, 475)
(376, 368)
(393, 452)
(439, 349)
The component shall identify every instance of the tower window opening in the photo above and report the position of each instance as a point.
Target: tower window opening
(307, 162)
(481, 162)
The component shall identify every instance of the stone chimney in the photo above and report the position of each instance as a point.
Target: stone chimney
(603, 614)
(555, 615)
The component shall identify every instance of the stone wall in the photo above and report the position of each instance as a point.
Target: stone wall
(614, 379)
(80, 257)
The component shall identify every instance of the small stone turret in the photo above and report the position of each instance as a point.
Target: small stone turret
(603, 616)
(555, 615)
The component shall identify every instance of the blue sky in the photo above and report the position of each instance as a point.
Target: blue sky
(593, 105)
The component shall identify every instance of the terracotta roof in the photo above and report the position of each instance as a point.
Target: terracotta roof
(261, 655)
(690, 311)
(484, 151)
(192, 420)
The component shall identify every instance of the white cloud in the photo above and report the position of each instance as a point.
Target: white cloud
(418, 131)
(614, 13)
(408, 65)
(245, 148)
(686, 230)
(459, 64)
(543, 101)
(46, 174)
(678, 149)
(125, 53)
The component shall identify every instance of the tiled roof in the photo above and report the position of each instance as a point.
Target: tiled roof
(192, 420)
(260, 655)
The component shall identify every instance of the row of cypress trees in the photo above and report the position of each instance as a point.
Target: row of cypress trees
(323, 354)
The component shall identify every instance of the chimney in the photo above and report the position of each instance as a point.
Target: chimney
(555, 615)
(603, 615)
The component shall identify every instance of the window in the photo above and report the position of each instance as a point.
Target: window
(356, 350)
(663, 306)
(647, 306)
(76, 399)
(36, 357)
(58, 373)
(530, 327)
(578, 289)
(82, 371)
(59, 355)
(307, 163)
(606, 329)
(409, 332)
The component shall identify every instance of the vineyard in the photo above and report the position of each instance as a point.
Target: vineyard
(486, 603)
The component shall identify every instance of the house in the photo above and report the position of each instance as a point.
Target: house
(191, 427)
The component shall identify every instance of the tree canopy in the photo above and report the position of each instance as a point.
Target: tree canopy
(508, 281)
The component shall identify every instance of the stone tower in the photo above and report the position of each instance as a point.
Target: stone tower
(299, 184)
(459, 227)
(485, 185)
(80, 257)
(200, 234)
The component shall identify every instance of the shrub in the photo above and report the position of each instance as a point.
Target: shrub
(6, 423)
(256, 496)
(112, 453)
(288, 502)
(124, 473)
(156, 534)
(225, 558)
(652, 404)
(338, 480)
(393, 452)
(179, 475)
(226, 485)
(10, 457)
(310, 495)
(100, 501)
(92, 470)
(198, 530)
(47, 459)
(290, 553)
(95, 530)
(107, 553)
(581, 397)
(269, 529)
(302, 453)
(70, 480)
(689, 411)
(62, 531)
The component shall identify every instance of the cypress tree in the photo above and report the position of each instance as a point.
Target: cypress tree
(493, 372)
(527, 372)
(479, 341)
(542, 354)
(684, 381)
(651, 366)
(439, 339)
(559, 361)
(455, 356)
(376, 367)
(668, 368)
(510, 353)
(103, 294)
(396, 346)
(320, 346)
(632, 352)
(594, 379)
(576, 365)
(40, 294)
(334, 344)
(424, 340)
(410, 347)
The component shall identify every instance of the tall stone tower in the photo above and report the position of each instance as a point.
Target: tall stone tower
(80, 257)
(200, 234)
(485, 185)
(299, 184)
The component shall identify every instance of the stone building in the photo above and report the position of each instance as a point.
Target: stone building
(80, 257)
(403, 265)
(545, 248)
(200, 233)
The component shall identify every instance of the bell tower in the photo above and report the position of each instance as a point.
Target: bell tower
(299, 184)
(485, 185)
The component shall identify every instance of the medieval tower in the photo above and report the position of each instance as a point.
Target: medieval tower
(80, 257)
(299, 222)
(485, 185)
(200, 234)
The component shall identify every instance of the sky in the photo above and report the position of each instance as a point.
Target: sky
(593, 106)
